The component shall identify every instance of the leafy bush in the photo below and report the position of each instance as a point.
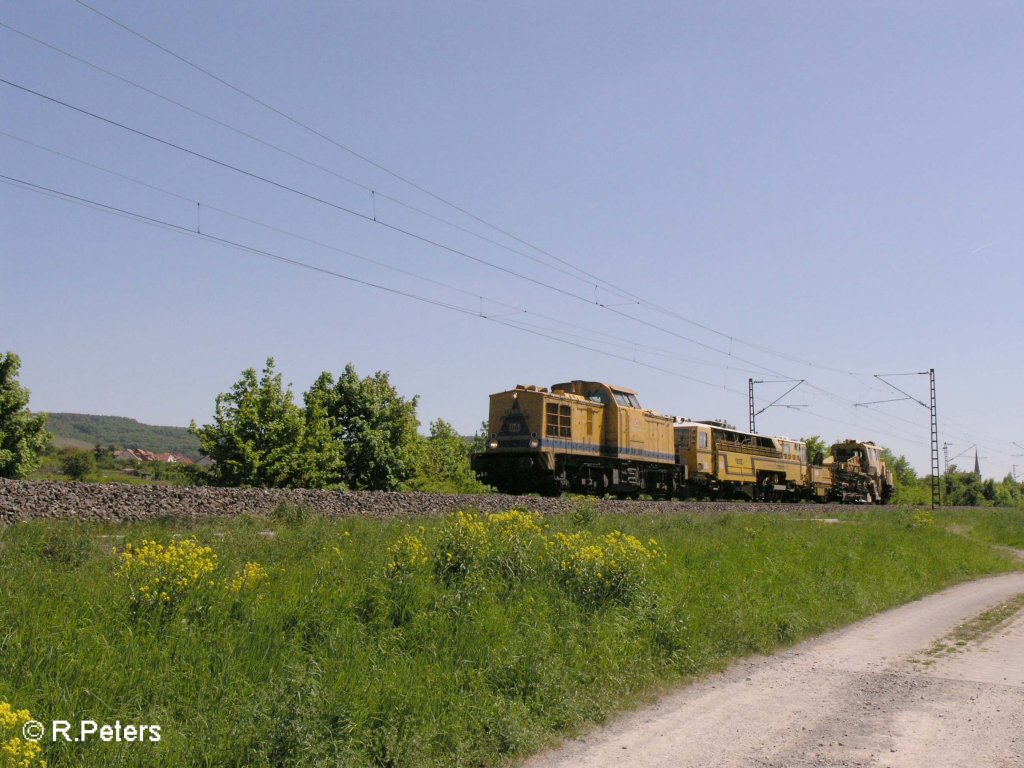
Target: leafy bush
(461, 545)
(442, 463)
(507, 545)
(23, 436)
(163, 575)
(596, 569)
(77, 464)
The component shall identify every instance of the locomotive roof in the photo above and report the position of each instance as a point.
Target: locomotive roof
(612, 387)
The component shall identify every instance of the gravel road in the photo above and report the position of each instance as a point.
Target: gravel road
(866, 695)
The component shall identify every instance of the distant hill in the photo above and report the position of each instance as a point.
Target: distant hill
(80, 430)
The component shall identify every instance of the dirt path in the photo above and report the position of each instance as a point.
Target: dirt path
(866, 695)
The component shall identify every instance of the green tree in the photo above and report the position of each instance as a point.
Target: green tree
(479, 444)
(77, 464)
(377, 427)
(322, 450)
(815, 447)
(23, 436)
(988, 489)
(963, 489)
(442, 464)
(1009, 493)
(902, 472)
(257, 433)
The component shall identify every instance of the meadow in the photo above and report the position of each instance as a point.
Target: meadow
(296, 640)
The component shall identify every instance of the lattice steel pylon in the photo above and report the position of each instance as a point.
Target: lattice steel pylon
(936, 481)
(750, 400)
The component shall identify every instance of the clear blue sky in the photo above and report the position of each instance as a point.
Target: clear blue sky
(837, 182)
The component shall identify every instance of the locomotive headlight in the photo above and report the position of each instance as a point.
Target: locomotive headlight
(535, 443)
(492, 444)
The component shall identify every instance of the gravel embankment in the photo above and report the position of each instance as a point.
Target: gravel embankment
(32, 500)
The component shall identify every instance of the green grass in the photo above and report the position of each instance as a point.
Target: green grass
(996, 525)
(974, 630)
(333, 663)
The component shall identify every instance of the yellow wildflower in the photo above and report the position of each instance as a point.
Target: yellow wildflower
(249, 577)
(162, 574)
(16, 751)
(406, 554)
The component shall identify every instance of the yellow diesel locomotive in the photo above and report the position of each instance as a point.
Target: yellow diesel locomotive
(579, 436)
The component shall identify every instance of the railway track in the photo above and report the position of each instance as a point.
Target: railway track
(27, 500)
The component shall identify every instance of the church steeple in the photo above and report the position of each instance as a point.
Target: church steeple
(977, 466)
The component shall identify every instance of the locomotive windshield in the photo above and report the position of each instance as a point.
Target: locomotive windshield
(626, 399)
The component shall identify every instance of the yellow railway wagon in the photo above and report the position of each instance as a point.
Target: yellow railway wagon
(723, 462)
(580, 436)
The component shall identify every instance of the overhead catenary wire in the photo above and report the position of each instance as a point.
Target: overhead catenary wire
(172, 227)
(225, 242)
(294, 190)
(364, 217)
(639, 301)
(424, 190)
(374, 193)
(615, 339)
(259, 177)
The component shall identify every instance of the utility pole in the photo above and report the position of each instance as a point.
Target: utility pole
(750, 401)
(1015, 456)
(936, 485)
(933, 411)
(750, 397)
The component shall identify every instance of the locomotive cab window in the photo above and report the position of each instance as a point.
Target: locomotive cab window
(559, 420)
(625, 399)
